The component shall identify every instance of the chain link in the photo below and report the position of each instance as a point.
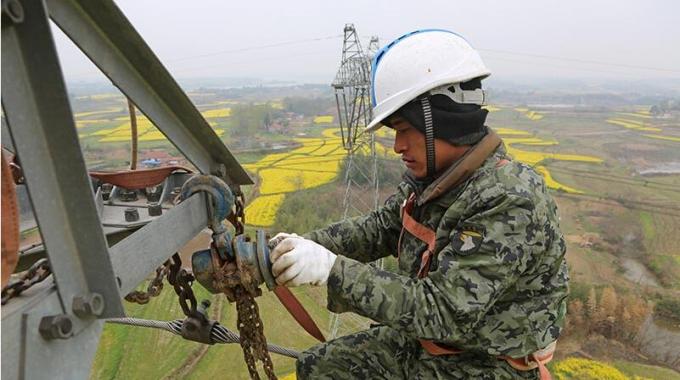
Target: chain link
(252, 339)
(181, 281)
(238, 218)
(39, 271)
(153, 289)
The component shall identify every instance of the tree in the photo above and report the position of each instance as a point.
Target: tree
(576, 318)
(609, 302)
(591, 304)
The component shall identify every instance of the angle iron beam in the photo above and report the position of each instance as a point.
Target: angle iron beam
(106, 36)
(26, 355)
(44, 134)
(139, 254)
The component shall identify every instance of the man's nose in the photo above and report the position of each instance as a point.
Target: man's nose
(399, 144)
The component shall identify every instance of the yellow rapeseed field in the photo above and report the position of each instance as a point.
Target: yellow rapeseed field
(102, 112)
(632, 124)
(220, 112)
(662, 137)
(491, 108)
(531, 115)
(584, 369)
(640, 114)
(100, 97)
(146, 131)
(315, 163)
(87, 123)
(535, 158)
(262, 210)
(323, 119)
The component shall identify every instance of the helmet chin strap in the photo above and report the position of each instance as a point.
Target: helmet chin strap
(429, 136)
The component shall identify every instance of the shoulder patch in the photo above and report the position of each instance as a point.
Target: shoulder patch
(468, 238)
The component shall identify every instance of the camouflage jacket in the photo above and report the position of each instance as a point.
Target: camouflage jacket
(497, 283)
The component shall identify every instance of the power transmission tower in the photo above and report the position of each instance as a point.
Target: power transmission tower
(352, 85)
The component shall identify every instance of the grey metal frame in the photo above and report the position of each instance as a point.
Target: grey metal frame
(43, 133)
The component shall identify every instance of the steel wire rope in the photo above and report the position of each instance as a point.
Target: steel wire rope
(218, 334)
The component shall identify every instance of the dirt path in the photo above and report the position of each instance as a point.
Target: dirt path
(638, 273)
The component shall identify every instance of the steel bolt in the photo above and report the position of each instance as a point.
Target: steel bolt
(153, 194)
(128, 195)
(131, 214)
(90, 305)
(13, 10)
(106, 188)
(155, 209)
(56, 327)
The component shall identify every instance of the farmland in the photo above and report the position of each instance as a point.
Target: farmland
(613, 172)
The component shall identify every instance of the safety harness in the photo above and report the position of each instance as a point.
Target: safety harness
(455, 176)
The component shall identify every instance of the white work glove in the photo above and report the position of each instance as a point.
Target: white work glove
(299, 261)
(273, 242)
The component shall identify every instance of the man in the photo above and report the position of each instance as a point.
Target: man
(482, 280)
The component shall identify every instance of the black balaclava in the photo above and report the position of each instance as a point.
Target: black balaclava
(438, 116)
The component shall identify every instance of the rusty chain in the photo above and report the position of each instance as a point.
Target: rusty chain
(181, 281)
(39, 271)
(238, 218)
(238, 284)
(252, 339)
(153, 289)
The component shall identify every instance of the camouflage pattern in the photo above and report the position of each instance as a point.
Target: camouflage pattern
(384, 353)
(497, 285)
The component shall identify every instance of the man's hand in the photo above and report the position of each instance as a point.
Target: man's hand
(273, 242)
(298, 261)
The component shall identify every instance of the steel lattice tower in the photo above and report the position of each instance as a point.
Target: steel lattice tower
(352, 85)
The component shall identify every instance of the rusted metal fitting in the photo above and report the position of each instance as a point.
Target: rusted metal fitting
(12, 11)
(251, 268)
(198, 327)
(153, 194)
(219, 207)
(155, 209)
(106, 188)
(131, 214)
(128, 195)
(90, 305)
(56, 327)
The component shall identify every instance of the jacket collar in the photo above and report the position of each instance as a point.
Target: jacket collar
(458, 172)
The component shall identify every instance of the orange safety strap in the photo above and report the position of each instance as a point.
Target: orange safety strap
(137, 179)
(530, 362)
(421, 232)
(428, 236)
(10, 223)
(298, 312)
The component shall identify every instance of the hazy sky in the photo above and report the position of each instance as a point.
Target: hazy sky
(302, 40)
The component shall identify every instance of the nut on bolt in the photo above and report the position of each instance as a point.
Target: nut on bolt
(56, 327)
(91, 305)
(155, 209)
(131, 214)
(12, 11)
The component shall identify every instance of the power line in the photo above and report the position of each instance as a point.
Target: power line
(578, 60)
(570, 59)
(259, 47)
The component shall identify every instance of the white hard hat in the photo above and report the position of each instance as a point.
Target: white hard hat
(422, 61)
